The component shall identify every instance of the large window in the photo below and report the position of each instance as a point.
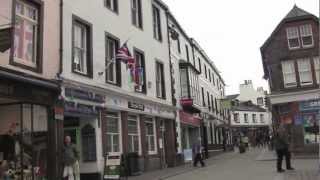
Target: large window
(187, 53)
(306, 35)
(289, 75)
(160, 85)
(178, 45)
(112, 5)
(254, 118)
(88, 139)
(208, 100)
(262, 118)
(184, 82)
(113, 70)
(293, 37)
(236, 118)
(136, 13)
(199, 64)
(81, 47)
(246, 120)
(203, 100)
(150, 135)
(205, 71)
(316, 62)
(305, 73)
(26, 35)
(113, 132)
(140, 72)
(133, 133)
(156, 23)
(260, 101)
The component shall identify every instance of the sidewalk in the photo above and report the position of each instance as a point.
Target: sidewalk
(299, 175)
(176, 171)
(267, 155)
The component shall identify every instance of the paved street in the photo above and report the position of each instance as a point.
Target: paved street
(235, 166)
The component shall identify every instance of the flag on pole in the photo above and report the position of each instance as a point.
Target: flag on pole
(124, 55)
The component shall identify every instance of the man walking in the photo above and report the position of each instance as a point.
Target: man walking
(197, 154)
(70, 160)
(281, 143)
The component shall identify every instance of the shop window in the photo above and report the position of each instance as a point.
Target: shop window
(133, 133)
(113, 132)
(88, 138)
(150, 135)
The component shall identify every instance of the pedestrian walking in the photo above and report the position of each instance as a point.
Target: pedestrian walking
(70, 160)
(281, 143)
(197, 154)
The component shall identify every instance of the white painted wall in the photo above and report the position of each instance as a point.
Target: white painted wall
(267, 118)
(103, 20)
(248, 93)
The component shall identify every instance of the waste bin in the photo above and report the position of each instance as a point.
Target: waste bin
(133, 164)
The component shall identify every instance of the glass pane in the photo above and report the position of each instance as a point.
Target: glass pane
(307, 40)
(18, 38)
(31, 13)
(130, 145)
(116, 143)
(19, 8)
(109, 142)
(132, 127)
(29, 41)
(112, 125)
(136, 143)
(152, 148)
(294, 42)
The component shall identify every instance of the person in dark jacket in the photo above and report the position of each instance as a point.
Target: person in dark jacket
(197, 154)
(281, 144)
(70, 160)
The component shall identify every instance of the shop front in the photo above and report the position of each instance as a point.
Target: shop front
(27, 133)
(190, 133)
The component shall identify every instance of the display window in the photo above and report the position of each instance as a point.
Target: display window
(23, 142)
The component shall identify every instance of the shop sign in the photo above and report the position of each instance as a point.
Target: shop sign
(58, 113)
(80, 108)
(186, 102)
(189, 119)
(298, 120)
(309, 105)
(137, 106)
(84, 95)
(112, 167)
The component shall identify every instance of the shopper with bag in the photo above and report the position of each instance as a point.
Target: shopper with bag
(70, 161)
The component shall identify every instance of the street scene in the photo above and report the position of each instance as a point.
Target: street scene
(159, 90)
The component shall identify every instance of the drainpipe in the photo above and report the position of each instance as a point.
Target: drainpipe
(61, 39)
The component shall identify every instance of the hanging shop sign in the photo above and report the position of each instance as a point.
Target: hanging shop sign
(187, 118)
(112, 167)
(186, 102)
(134, 105)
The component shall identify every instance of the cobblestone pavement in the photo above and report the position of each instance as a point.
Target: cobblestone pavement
(235, 166)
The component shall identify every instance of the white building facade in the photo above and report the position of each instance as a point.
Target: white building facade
(106, 111)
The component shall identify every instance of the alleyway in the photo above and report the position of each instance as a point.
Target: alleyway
(235, 166)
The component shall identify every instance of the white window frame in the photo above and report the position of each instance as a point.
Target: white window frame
(114, 153)
(146, 121)
(246, 117)
(135, 11)
(23, 17)
(307, 71)
(156, 20)
(81, 66)
(112, 61)
(262, 120)
(138, 132)
(293, 33)
(305, 31)
(316, 62)
(159, 80)
(112, 6)
(254, 118)
(289, 65)
(236, 117)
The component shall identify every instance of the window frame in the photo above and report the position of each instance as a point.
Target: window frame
(147, 121)
(254, 118)
(246, 117)
(156, 22)
(137, 51)
(293, 73)
(306, 35)
(316, 63)
(262, 120)
(118, 117)
(300, 71)
(162, 89)
(289, 37)
(83, 146)
(89, 63)
(138, 134)
(114, 5)
(38, 68)
(236, 117)
(138, 14)
(117, 64)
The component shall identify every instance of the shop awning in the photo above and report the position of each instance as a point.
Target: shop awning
(189, 119)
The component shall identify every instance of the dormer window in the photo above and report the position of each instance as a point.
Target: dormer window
(293, 37)
(306, 35)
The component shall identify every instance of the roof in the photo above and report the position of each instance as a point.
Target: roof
(296, 12)
(244, 106)
(233, 96)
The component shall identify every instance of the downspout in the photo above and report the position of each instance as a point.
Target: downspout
(61, 39)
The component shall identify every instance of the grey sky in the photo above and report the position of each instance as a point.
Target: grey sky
(232, 31)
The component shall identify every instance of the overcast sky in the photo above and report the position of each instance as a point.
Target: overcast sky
(232, 32)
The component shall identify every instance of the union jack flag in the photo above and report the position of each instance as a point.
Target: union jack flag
(124, 55)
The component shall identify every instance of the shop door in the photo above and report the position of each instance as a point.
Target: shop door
(162, 144)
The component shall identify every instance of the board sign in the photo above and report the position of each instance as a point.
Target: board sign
(112, 167)
(137, 106)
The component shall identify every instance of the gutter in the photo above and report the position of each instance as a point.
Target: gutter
(61, 40)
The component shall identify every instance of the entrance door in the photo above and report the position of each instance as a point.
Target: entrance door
(162, 144)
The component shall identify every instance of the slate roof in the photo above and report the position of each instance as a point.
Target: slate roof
(246, 107)
(296, 12)
(233, 96)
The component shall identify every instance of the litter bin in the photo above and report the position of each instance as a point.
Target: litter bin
(133, 164)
